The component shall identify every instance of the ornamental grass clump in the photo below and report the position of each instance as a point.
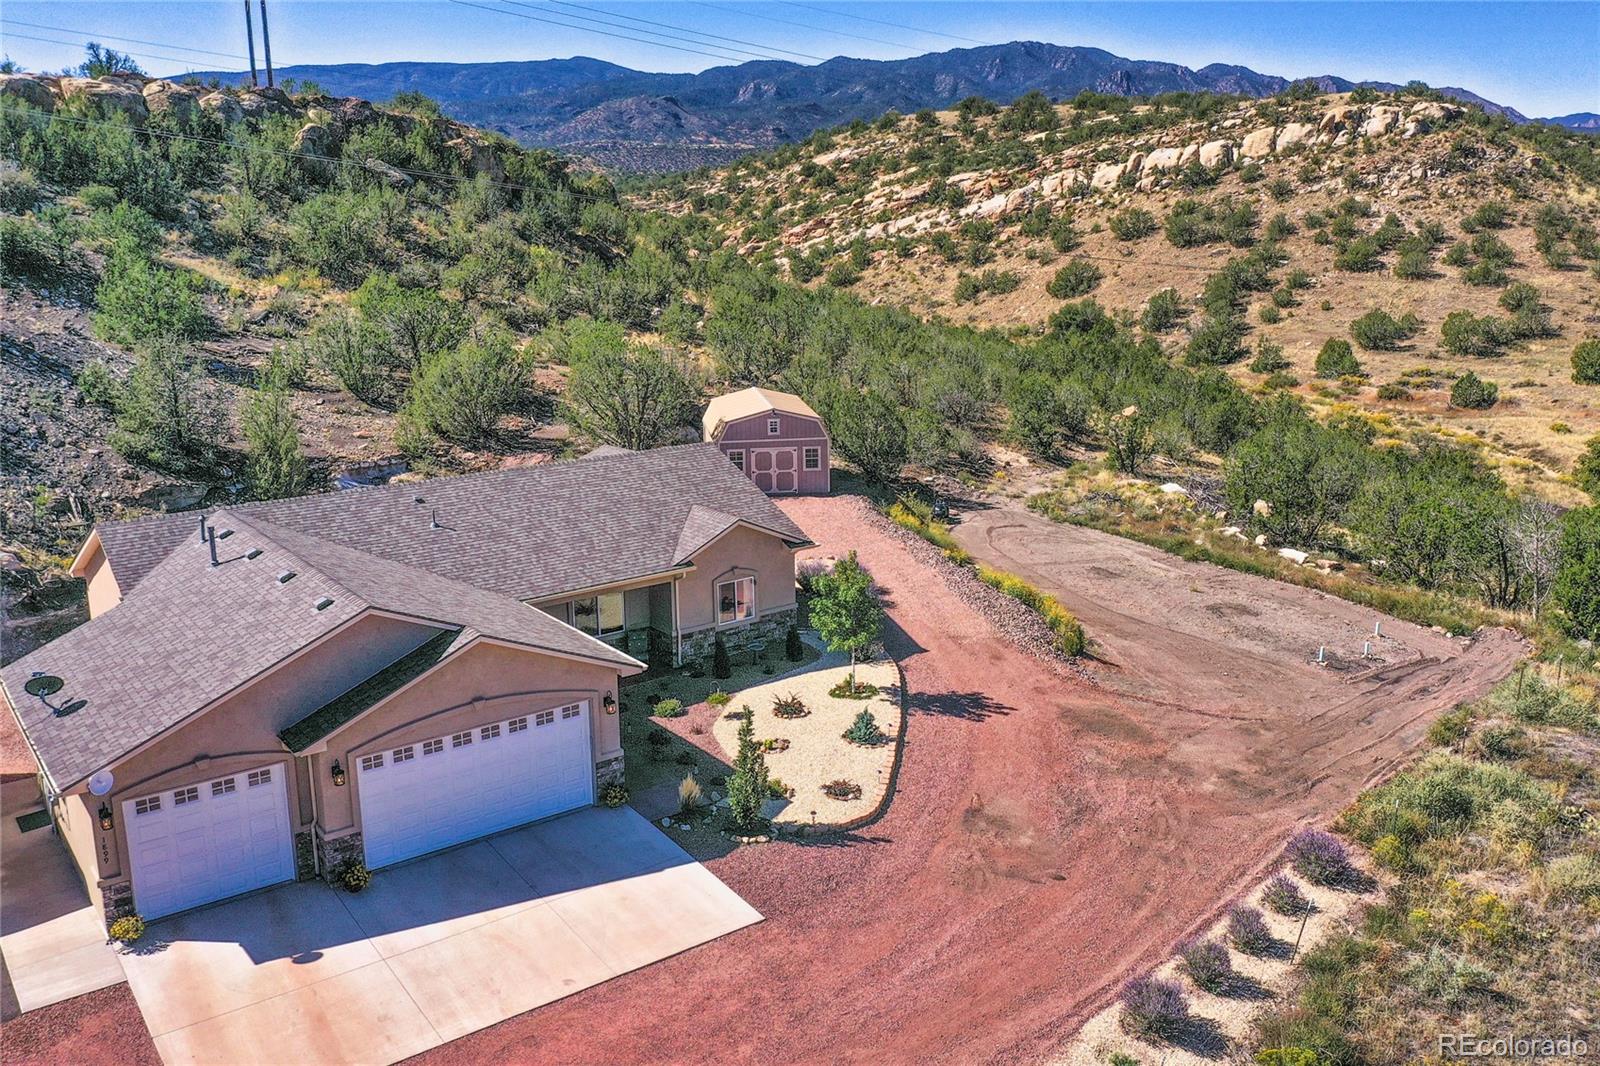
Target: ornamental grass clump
(1319, 857)
(1285, 897)
(1207, 963)
(1247, 928)
(1154, 1009)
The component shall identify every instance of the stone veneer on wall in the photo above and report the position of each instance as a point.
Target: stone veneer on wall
(118, 899)
(758, 634)
(339, 850)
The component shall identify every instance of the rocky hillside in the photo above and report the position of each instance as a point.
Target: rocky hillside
(1330, 208)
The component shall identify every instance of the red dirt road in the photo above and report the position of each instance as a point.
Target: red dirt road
(1047, 839)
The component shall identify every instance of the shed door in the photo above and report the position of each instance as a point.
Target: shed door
(786, 473)
(208, 841)
(468, 783)
(761, 468)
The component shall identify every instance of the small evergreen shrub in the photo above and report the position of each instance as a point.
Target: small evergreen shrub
(1247, 928)
(1472, 392)
(864, 730)
(793, 649)
(615, 794)
(1207, 963)
(1132, 224)
(1586, 362)
(1380, 331)
(1154, 1009)
(671, 707)
(1284, 896)
(1077, 278)
(1337, 359)
(1319, 857)
(719, 699)
(721, 668)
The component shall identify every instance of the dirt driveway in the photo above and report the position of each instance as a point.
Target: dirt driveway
(1047, 839)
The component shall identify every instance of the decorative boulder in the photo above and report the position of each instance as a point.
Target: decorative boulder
(313, 139)
(1161, 159)
(182, 101)
(1292, 134)
(1107, 174)
(222, 105)
(1214, 154)
(1381, 121)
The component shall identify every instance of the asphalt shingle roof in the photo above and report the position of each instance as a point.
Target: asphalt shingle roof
(350, 705)
(458, 553)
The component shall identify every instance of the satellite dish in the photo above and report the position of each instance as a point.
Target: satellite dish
(102, 783)
(42, 685)
(71, 708)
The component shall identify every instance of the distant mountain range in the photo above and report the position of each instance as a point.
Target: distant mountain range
(634, 120)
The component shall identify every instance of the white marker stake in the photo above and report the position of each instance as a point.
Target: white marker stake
(1377, 628)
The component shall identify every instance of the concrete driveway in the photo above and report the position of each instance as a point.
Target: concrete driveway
(433, 950)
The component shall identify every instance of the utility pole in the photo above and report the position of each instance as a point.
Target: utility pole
(250, 42)
(266, 43)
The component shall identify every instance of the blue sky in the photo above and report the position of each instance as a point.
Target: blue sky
(1541, 58)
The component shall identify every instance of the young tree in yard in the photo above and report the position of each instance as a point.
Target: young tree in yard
(1577, 583)
(1129, 436)
(627, 395)
(168, 415)
(1305, 472)
(277, 468)
(846, 610)
(747, 785)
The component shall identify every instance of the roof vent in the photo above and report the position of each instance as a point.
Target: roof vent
(252, 553)
(324, 603)
(202, 529)
(225, 534)
(434, 524)
(419, 500)
(286, 577)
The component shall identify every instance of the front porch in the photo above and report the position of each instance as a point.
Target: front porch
(644, 621)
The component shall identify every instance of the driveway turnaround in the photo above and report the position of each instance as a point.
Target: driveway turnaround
(52, 945)
(433, 950)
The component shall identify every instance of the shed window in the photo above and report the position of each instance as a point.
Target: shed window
(813, 458)
(773, 426)
(737, 459)
(599, 615)
(736, 600)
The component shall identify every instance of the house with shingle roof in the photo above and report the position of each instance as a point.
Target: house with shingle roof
(273, 690)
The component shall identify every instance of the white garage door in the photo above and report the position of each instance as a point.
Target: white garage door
(421, 797)
(208, 841)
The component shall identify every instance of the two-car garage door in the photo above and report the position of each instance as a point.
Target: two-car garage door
(417, 798)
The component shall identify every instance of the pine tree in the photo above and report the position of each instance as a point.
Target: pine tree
(721, 668)
(272, 443)
(747, 787)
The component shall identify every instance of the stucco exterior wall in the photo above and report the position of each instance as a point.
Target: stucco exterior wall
(739, 552)
(242, 734)
(485, 683)
(102, 584)
(794, 431)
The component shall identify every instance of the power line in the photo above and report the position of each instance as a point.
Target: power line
(882, 22)
(602, 33)
(802, 25)
(670, 26)
(92, 35)
(80, 44)
(653, 33)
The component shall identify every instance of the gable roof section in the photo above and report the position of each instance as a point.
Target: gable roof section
(348, 706)
(752, 401)
(195, 633)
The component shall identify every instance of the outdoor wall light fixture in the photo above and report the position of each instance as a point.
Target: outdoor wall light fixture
(105, 818)
(338, 774)
(610, 703)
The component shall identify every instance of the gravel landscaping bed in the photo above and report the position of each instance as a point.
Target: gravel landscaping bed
(817, 751)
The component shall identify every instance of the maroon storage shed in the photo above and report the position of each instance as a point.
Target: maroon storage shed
(774, 437)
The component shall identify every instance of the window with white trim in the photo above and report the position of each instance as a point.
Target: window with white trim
(516, 725)
(148, 805)
(489, 732)
(222, 787)
(372, 762)
(259, 777)
(773, 426)
(544, 717)
(461, 740)
(405, 754)
(813, 458)
(571, 710)
(737, 459)
(433, 747)
(736, 600)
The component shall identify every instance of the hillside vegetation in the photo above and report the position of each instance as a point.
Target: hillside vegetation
(1241, 234)
(214, 295)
